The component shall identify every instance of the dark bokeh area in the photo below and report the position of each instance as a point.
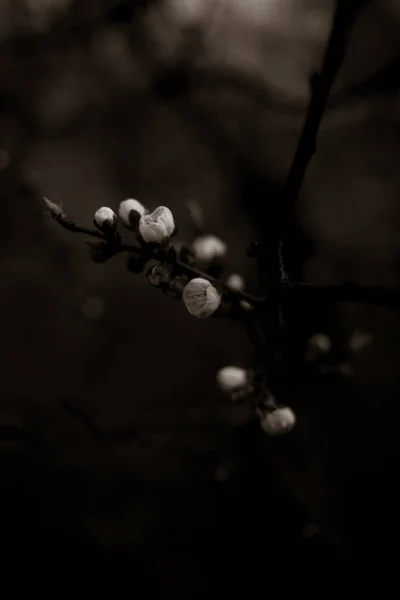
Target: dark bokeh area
(168, 101)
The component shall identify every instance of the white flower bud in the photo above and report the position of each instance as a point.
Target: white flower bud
(322, 342)
(127, 206)
(244, 305)
(235, 282)
(208, 247)
(105, 215)
(279, 421)
(360, 340)
(201, 298)
(158, 226)
(160, 274)
(231, 378)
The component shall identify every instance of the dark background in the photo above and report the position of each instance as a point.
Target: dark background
(166, 101)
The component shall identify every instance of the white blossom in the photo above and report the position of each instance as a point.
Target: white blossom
(279, 421)
(208, 247)
(127, 206)
(235, 282)
(231, 378)
(158, 226)
(201, 298)
(105, 215)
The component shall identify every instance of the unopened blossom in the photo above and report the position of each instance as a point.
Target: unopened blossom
(160, 274)
(127, 206)
(359, 340)
(322, 342)
(157, 227)
(279, 421)
(201, 298)
(235, 282)
(231, 378)
(244, 305)
(207, 248)
(104, 217)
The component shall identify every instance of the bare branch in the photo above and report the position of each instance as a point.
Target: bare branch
(345, 15)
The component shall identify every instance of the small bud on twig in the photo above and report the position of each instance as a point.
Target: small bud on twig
(55, 209)
(177, 286)
(279, 421)
(201, 298)
(157, 227)
(231, 378)
(130, 211)
(160, 274)
(244, 305)
(235, 282)
(105, 219)
(207, 248)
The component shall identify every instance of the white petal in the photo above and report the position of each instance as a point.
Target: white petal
(127, 206)
(164, 216)
(150, 231)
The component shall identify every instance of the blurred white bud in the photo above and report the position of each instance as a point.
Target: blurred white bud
(208, 247)
(246, 305)
(105, 216)
(279, 421)
(158, 226)
(235, 282)
(322, 342)
(360, 340)
(196, 213)
(346, 370)
(231, 378)
(201, 298)
(127, 206)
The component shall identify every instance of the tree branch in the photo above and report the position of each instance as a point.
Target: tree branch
(344, 18)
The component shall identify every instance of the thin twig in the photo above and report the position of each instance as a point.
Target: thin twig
(321, 84)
